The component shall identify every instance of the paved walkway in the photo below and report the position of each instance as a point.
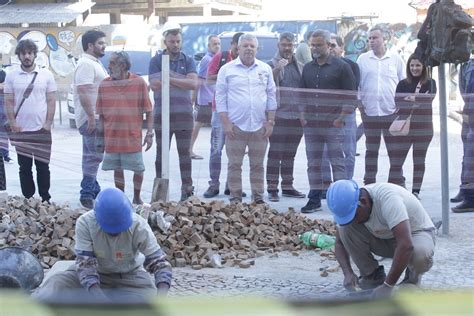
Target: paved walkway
(285, 275)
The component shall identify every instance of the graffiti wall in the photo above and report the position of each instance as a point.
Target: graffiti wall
(59, 48)
(400, 37)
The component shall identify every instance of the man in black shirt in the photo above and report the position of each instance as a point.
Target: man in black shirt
(349, 144)
(287, 132)
(323, 112)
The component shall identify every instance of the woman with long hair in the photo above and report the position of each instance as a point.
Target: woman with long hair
(414, 96)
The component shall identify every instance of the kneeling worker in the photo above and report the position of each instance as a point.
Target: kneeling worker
(109, 241)
(383, 219)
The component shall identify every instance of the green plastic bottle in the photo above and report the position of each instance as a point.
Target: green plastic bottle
(319, 240)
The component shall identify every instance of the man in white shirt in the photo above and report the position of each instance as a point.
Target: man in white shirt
(30, 102)
(383, 219)
(380, 72)
(246, 103)
(87, 77)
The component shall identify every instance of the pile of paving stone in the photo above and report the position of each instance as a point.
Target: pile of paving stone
(192, 233)
(202, 234)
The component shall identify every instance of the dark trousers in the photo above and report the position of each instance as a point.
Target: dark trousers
(420, 145)
(181, 126)
(284, 142)
(464, 132)
(38, 151)
(374, 128)
(3, 178)
(317, 135)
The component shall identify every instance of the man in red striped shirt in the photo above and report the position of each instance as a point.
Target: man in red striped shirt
(121, 102)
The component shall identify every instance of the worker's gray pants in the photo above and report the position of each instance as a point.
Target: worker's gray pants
(132, 286)
(361, 245)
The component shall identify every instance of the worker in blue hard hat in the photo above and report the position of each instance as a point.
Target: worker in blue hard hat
(383, 219)
(115, 249)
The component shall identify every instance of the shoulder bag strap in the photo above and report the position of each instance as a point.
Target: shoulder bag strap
(27, 93)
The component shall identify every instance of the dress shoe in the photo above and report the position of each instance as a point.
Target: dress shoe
(458, 198)
(311, 207)
(273, 196)
(293, 193)
(227, 192)
(464, 207)
(211, 192)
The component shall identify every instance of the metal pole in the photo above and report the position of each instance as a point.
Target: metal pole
(165, 118)
(443, 135)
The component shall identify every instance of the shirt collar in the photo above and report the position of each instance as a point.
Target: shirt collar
(328, 61)
(386, 55)
(181, 55)
(86, 55)
(37, 68)
(239, 62)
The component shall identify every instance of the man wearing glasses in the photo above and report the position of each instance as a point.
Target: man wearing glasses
(287, 132)
(328, 99)
(183, 79)
(383, 219)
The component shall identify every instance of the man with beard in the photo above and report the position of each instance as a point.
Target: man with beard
(87, 77)
(245, 101)
(350, 126)
(287, 132)
(183, 79)
(30, 102)
(323, 113)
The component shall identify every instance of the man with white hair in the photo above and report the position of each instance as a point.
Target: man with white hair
(246, 103)
(380, 72)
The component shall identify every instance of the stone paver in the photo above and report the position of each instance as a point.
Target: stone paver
(286, 275)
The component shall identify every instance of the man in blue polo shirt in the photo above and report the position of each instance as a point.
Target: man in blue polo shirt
(183, 79)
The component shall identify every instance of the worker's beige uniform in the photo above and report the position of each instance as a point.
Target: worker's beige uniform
(392, 205)
(120, 260)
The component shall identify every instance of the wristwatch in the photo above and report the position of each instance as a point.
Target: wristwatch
(272, 122)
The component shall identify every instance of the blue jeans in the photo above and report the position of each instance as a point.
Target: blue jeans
(91, 160)
(349, 146)
(217, 144)
(317, 136)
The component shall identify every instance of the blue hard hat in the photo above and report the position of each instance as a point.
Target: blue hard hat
(113, 211)
(342, 198)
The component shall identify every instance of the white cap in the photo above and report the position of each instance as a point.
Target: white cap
(169, 26)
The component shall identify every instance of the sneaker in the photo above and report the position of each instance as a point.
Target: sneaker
(293, 193)
(311, 207)
(372, 280)
(211, 192)
(273, 196)
(416, 194)
(464, 207)
(458, 198)
(259, 201)
(227, 192)
(87, 203)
